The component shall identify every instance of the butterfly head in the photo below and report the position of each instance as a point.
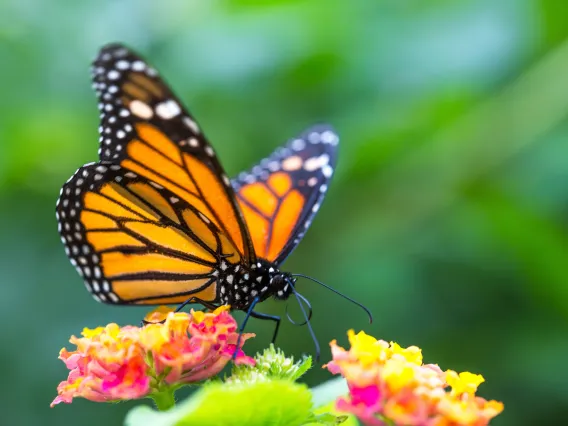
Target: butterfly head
(282, 283)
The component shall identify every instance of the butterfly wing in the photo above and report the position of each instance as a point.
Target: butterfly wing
(135, 241)
(280, 196)
(156, 219)
(145, 129)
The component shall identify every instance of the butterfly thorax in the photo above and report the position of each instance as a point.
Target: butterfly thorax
(239, 285)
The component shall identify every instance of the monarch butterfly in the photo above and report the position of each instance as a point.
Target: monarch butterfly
(157, 220)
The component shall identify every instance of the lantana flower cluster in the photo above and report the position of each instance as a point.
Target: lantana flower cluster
(390, 385)
(175, 348)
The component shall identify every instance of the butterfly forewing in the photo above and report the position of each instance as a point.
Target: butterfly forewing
(134, 241)
(145, 129)
(280, 196)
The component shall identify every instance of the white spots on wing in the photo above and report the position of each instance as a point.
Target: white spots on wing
(130, 175)
(315, 163)
(327, 171)
(292, 163)
(122, 65)
(298, 144)
(140, 109)
(113, 75)
(101, 169)
(168, 109)
(329, 137)
(113, 297)
(98, 176)
(312, 181)
(209, 151)
(120, 134)
(226, 180)
(174, 200)
(193, 142)
(230, 279)
(314, 137)
(249, 178)
(192, 125)
(274, 166)
(119, 53)
(138, 66)
(323, 188)
(223, 265)
(315, 208)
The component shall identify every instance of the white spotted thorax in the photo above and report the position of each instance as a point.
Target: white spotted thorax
(239, 285)
(131, 95)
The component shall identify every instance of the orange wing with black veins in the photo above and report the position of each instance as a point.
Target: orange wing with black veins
(280, 196)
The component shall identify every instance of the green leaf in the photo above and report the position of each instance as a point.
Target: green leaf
(328, 415)
(278, 403)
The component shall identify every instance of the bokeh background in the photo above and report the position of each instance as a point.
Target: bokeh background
(448, 215)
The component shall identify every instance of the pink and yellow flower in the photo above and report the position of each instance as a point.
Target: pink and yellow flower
(390, 385)
(117, 363)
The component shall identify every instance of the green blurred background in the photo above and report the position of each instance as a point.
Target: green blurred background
(448, 215)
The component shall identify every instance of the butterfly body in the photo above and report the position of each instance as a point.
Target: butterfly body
(239, 285)
(157, 221)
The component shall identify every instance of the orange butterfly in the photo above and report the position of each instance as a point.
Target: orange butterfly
(157, 220)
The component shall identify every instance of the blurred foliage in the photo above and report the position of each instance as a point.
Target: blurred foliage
(448, 215)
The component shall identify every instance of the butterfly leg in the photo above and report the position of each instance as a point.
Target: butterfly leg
(274, 318)
(208, 305)
(243, 325)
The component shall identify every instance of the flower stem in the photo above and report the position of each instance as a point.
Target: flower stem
(164, 400)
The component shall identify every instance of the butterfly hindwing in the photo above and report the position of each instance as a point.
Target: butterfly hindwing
(145, 129)
(280, 196)
(134, 241)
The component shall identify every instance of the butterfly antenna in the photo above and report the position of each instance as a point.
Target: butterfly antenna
(309, 314)
(299, 297)
(339, 294)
